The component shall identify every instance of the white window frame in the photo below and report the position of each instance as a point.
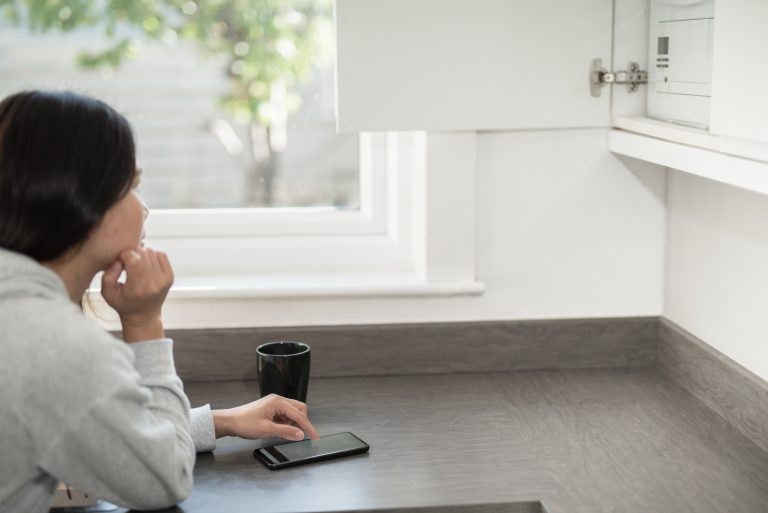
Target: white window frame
(414, 234)
(170, 224)
(213, 249)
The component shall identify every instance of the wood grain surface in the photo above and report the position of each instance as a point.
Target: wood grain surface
(721, 384)
(577, 441)
(433, 348)
(640, 417)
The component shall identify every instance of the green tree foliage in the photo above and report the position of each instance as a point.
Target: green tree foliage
(266, 42)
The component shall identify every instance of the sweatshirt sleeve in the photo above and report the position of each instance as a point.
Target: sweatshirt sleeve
(131, 443)
(202, 429)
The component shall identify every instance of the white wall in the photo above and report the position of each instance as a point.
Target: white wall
(717, 267)
(564, 229)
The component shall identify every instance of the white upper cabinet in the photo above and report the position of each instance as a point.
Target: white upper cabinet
(446, 65)
(706, 92)
(740, 74)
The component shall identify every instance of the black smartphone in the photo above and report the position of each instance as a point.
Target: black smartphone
(327, 447)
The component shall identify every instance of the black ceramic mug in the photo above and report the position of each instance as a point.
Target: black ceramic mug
(284, 369)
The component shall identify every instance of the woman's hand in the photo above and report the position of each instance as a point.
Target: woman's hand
(272, 416)
(139, 300)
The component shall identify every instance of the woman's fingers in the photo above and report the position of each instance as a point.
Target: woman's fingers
(297, 404)
(131, 259)
(270, 416)
(288, 432)
(148, 278)
(286, 409)
(154, 265)
(147, 271)
(280, 419)
(165, 264)
(109, 283)
(113, 272)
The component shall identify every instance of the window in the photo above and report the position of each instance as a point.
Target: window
(233, 106)
(249, 200)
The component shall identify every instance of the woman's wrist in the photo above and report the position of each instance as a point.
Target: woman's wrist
(222, 423)
(138, 328)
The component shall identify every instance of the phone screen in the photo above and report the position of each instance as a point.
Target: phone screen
(307, 451)
(341, 442)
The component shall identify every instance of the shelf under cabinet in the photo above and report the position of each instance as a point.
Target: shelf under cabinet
(685, 149)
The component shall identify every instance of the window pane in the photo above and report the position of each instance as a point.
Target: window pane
(223, 118)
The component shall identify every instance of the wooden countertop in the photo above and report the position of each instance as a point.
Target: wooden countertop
(556, 441)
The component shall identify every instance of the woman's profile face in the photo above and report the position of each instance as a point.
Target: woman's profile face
(121, 228)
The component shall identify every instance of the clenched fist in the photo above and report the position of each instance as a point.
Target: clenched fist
(139, 301)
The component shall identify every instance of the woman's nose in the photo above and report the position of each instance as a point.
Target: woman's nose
(145, 208)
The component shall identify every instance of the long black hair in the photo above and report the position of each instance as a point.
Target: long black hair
(65, 159)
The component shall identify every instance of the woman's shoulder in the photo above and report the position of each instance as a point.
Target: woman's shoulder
(57, 334)
(61, 367)
(56, 360)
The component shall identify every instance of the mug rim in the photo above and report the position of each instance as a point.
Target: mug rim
(305, 348)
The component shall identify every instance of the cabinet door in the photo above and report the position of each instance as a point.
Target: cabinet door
(470, 65)
(739, 74)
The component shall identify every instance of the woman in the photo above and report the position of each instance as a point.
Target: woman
(76, 404)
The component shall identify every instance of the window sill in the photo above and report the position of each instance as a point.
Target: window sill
(317, 286)
(313, 286)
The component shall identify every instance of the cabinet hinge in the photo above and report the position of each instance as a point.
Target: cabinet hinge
(599, 76)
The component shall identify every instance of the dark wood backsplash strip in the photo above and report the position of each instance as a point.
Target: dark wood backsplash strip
(431, 348)
(733, 392)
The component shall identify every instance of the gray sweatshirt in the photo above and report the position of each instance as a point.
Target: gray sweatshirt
(80, 406)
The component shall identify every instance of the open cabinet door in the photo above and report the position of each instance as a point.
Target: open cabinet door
(739, 75)
(470, 65)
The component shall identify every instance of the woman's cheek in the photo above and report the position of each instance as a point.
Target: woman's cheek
(141, 215)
